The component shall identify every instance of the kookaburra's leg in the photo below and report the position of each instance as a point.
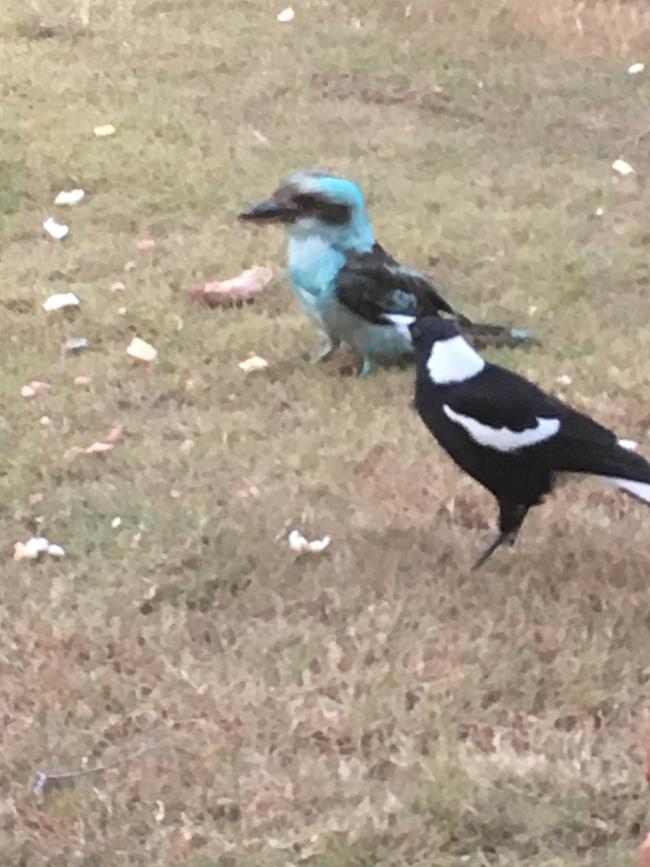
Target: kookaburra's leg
(327, 351)
(366, 368)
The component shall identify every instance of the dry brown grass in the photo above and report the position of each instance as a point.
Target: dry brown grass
(603, 29)
(597, 28)
(378, 704)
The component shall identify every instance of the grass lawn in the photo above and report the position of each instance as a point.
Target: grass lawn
(377, 704)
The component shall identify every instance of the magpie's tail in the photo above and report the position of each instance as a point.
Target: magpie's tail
(640, 490)
(481, 334)
(628, 471)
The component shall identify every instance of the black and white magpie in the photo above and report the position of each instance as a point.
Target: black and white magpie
(508, 434)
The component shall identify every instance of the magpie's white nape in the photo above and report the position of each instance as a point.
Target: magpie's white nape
(507, 433)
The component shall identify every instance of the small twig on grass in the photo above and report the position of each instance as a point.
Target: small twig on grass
(637, 139)
(45, 777)
(84, 12)
(578, 18)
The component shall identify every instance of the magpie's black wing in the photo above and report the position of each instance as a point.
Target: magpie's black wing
(500, 398)
(556, 436)
(374, 284)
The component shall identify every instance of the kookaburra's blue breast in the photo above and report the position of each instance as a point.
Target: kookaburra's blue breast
(313, 266)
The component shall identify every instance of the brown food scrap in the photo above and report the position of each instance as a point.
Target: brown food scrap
(644, 853)
(242, 289)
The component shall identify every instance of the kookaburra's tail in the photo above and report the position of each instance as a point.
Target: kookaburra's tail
(481, 334)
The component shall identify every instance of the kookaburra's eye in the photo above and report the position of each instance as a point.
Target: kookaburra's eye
(307, 202)
(325, 210)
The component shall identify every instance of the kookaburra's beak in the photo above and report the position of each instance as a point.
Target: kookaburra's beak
(270, 210)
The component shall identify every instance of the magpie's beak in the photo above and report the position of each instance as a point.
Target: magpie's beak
(270, 211)
(415, 329)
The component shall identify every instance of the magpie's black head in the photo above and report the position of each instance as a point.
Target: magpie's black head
(427, 330)
(315, 196)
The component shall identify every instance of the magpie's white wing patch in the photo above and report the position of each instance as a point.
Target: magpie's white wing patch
(503, 439)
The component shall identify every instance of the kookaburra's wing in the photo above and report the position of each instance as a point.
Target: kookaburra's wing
(374, 286)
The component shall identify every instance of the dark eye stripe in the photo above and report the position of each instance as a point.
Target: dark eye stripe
(334, 213)
(309, 203)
